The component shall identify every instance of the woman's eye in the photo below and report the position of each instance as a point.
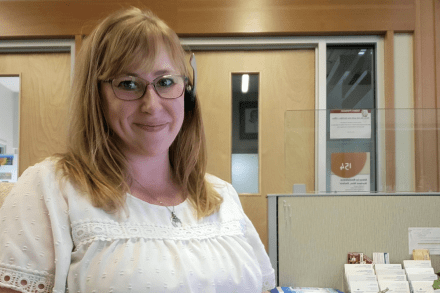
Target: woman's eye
(128, 85)
(165, 82)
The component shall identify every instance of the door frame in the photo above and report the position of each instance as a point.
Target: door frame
(41, 46)
(319, 44)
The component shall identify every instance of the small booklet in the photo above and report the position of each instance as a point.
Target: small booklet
(414, 271)
(387, 266)
(422, 277)
(421, 287)
(364, 286)
(390, 272)
(417, 264)
(391, 278)
(394, 286)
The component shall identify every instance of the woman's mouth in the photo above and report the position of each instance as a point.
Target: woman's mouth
(152, 128)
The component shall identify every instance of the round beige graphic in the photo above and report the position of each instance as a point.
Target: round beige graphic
(347, 165)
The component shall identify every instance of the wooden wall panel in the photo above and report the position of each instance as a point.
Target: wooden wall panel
(69, 17)
(304, 16)
(300, 149)
(45, 84)
(212, 17)
(427, 170)
(390, 133)
(437, 74)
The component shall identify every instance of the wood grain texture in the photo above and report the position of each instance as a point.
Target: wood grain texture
(314, 16)
(45, 84)
(316, 233)
(194, 17)
(437, 74)
(390, 133)
(287, 82)
(300, 149)
(427, 169)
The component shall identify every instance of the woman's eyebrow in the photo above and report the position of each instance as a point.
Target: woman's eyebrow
(155, 73)
(162, 72)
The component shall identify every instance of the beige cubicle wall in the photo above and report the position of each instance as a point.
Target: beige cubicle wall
(315, 233)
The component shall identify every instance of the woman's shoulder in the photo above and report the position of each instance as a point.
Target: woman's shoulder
(217, 183)
(224, 188)
(41, 169)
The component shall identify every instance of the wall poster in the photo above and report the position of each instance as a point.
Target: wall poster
(350, 172)
(350, 124)
(8, 168)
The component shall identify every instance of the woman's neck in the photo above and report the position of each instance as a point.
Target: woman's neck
(151, 179)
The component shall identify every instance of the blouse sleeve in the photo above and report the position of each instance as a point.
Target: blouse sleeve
(254, 240)
(35, 236)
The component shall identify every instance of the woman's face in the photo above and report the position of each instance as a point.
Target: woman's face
(149, 125)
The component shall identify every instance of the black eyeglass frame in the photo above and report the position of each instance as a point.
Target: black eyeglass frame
(153, 83)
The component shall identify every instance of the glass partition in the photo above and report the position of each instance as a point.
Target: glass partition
(362, 150)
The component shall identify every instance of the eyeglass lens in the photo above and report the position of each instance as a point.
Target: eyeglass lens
(132, 88)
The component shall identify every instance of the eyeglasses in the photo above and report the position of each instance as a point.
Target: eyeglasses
(130, 88)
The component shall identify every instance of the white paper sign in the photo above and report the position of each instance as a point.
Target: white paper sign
(350, 124)
(424, 238)
(359, 183)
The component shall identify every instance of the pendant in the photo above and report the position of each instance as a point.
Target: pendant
(175, 220)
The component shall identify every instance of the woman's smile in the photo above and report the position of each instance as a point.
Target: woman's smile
(152, 127)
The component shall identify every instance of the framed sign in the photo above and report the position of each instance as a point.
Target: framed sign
(350, 124)
(350, 172)
(248, 120)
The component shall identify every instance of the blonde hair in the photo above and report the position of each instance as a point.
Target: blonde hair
(93, 162)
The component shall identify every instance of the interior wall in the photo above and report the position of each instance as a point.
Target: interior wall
(74, 18)
(404, 113)
(208, 17)
(7, 118)
(425, 59)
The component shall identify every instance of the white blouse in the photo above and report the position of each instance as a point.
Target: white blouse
(53, 240)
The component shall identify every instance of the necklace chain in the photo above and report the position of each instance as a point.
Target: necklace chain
(174, 219)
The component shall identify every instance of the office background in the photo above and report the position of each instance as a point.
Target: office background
(32, 19)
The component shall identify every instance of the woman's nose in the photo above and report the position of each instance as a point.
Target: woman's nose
(150, 99)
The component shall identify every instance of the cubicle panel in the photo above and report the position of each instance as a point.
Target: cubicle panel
(315, 233)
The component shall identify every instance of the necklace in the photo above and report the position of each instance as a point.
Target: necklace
(174, 219)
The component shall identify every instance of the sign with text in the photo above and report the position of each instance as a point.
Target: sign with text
(350, 172)
(350, 124)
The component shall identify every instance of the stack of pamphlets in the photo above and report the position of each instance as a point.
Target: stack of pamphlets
(420, 275)
(304, 290)
(381, 257)
(391, 277)
(360, 278)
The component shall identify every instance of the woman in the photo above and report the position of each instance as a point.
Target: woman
(129, 208)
